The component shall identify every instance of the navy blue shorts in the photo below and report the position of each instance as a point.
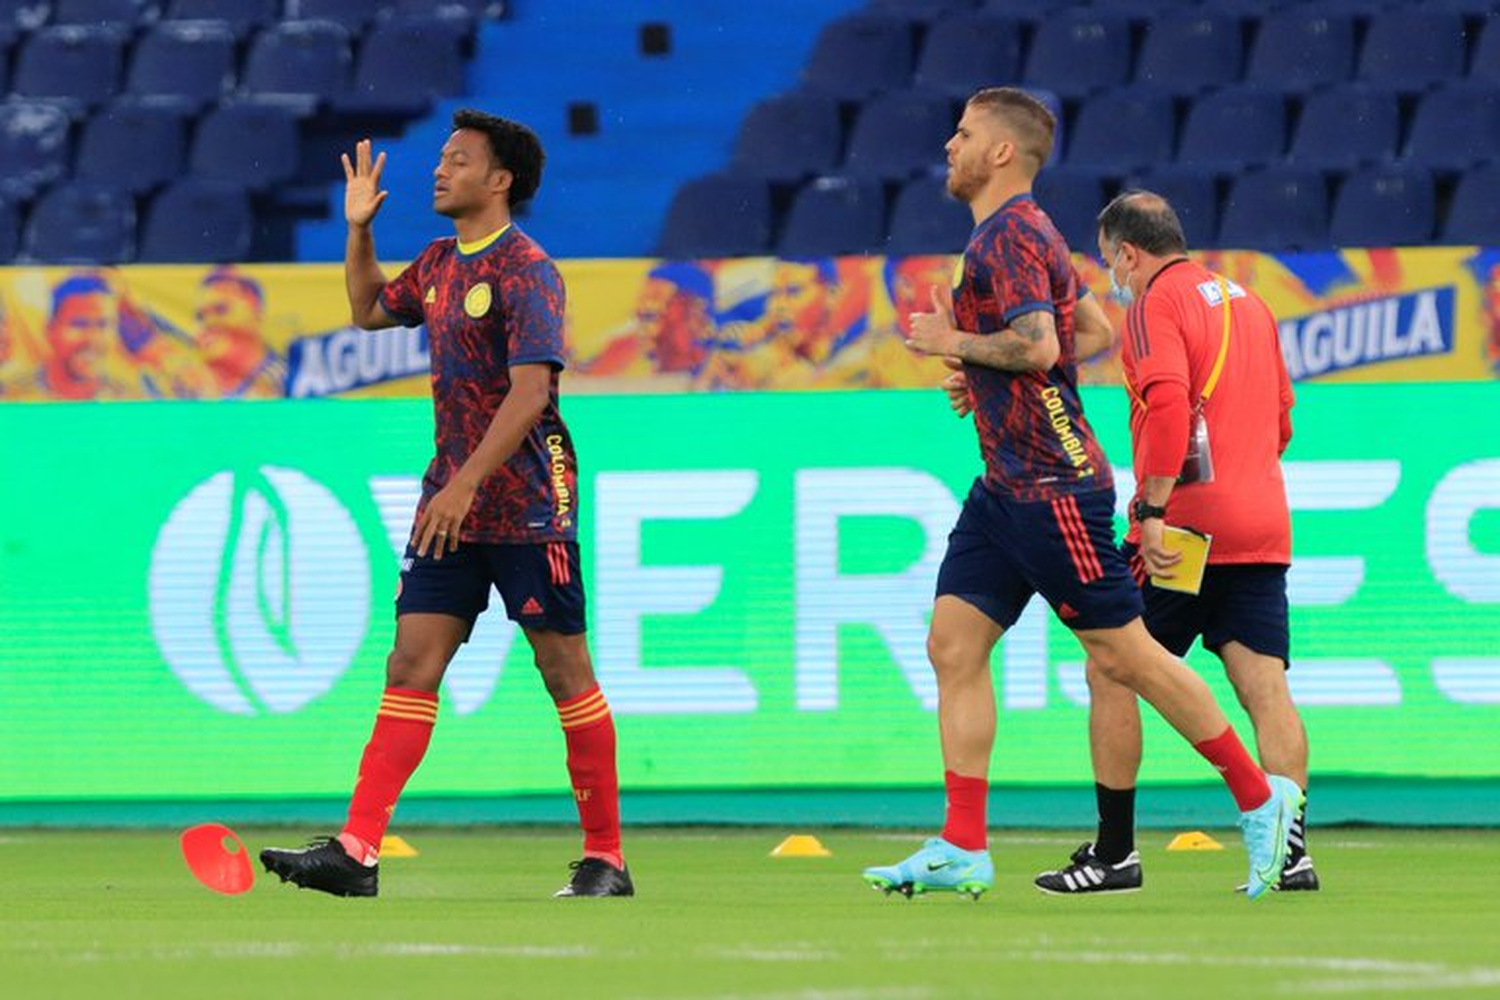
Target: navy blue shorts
(539, 582)
(1002, 551)
(1244, 603)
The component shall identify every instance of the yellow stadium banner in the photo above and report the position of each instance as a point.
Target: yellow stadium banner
(276, 331)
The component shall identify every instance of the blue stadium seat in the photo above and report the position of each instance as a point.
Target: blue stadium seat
(81, 223)
(1360, 10)
(1484, 63)
(1384, 206)
(1247, 10)
(1234, 128)
(1345, 126)
(1279, 209)
(34, 148)
(919, 10)
(1194, 196)
(926, 219)
(1190, 52)
(966, 51)
(121, 16)
(133, 145)
(432, 67)
(24, 15)
(834, 215)
(1027, 10)
(10, 231)
(1474, 211)
(460, 17)
(1123, 129)
(1412, 48)
(198, 221)
(242, 16)
(1455, 126)
(1079, 51)
(302, 62)
(187, 63)
(355, 15)
(251, 143)
(900, 134)
(1302, 47)
(1148, 12)
(73, 64)
(1072, 198)
(789, 137)
(860, 55)
(720, 215)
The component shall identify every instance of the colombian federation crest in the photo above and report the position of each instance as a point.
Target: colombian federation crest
(477, 300)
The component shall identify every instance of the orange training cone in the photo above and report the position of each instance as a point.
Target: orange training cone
(801, 845)
(217, 858)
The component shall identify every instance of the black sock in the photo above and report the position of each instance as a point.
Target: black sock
(1116, 823)
(1296, 838)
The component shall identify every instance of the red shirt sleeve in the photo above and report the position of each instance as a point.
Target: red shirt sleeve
(1164, 433)
(1154, 353)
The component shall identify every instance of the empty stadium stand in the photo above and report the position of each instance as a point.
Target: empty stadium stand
(721, 128)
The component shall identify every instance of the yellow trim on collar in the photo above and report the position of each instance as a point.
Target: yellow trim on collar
(480, 244)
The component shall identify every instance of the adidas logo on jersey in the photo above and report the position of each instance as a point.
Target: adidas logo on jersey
(531, 607)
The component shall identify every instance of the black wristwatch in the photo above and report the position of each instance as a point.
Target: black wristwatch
(1140, 510)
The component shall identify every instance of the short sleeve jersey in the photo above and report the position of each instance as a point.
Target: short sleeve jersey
(486, 312)
(1033, 437)
(1173, 334)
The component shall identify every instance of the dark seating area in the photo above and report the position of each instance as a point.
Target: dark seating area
(1280, 125)
(119, 115)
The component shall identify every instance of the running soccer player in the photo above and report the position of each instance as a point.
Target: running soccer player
(1040, 518)
(499, 500)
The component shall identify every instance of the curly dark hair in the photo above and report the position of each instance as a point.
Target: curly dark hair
(514, 147)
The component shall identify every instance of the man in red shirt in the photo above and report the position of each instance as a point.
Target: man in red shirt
(1188, 365)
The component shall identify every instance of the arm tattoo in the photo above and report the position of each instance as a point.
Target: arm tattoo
(1010, 349)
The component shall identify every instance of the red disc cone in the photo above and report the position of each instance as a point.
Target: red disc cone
(217, 858)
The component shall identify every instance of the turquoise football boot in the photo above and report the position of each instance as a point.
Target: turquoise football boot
(1266, 828)
(937, 867)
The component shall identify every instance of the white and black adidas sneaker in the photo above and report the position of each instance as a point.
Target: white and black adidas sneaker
(1088, 874)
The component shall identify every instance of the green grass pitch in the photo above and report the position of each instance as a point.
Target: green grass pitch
(1404, 913)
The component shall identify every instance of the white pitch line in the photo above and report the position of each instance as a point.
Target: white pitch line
(1367, 973)
(302, 949)
(1456, 980)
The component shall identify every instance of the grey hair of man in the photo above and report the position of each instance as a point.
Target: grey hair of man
(1145, 220)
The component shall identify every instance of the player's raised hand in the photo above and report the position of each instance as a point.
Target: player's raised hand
(362, 194)
(956, 385)
(934, 332)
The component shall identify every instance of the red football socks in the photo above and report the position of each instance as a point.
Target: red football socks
(964, 826)
(1246, 781)
(589, 729)
(403, 728)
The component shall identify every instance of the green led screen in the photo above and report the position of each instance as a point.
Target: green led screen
(195, 599)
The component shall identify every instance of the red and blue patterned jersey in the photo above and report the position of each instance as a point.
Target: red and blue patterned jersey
(486, 312)
(1034, 440)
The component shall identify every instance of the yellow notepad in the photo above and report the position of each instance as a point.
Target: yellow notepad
(1187, 575)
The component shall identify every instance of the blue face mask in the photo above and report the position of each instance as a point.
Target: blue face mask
(1120, 293)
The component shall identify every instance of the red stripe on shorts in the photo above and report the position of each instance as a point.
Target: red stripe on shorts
(1085, 560)
(557, 558)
